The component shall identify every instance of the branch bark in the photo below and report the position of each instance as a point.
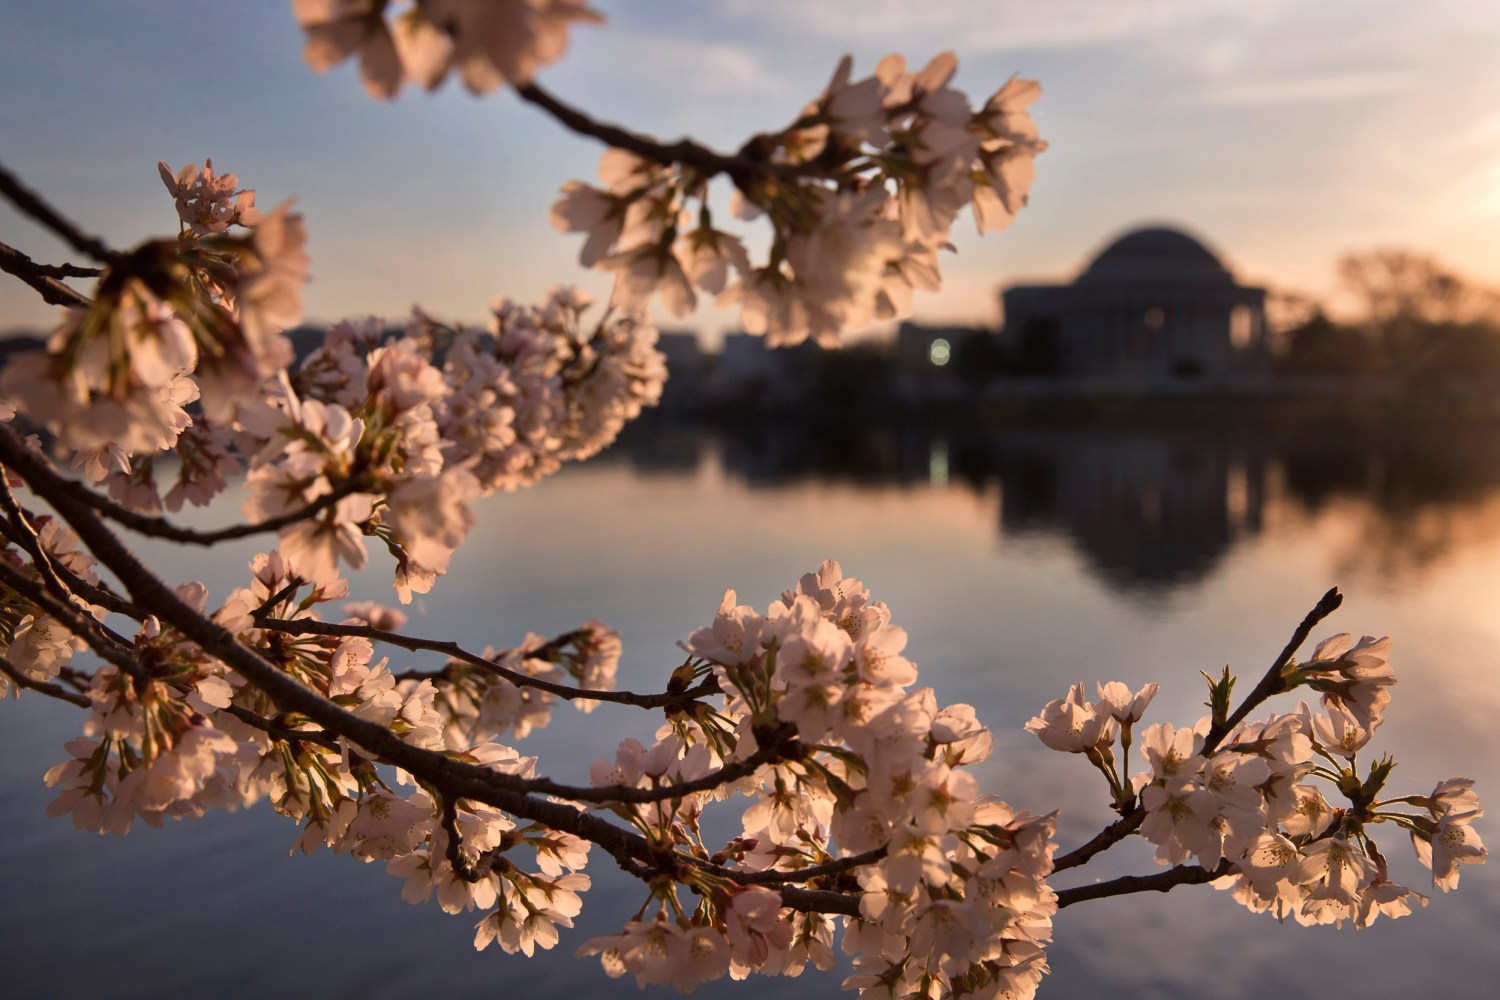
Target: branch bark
(1160, 882)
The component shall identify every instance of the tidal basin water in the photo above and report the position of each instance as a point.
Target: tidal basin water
(1019, 562)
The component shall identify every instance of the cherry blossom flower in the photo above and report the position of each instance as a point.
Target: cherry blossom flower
(1073, 724)
(209, 202)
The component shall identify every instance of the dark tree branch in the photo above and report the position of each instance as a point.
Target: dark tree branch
(43, 687)
(160, 527)
(302, 626)
(111, 647)
(836, 867)
(1272, 683)
(283, 733)
(683, 151)
(31, 204)
(1103, 840)
(739, 167)
(44, 278)
(74, 678)
(1160, 882)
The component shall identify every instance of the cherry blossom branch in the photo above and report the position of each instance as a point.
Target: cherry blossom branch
(280, 732)
(18, 528)
(94, 593)
(469, 871)
(1159, 882)
(160, 527)
(1103, 840)
(31, 204)
(44, 277)
(1270, 684)
(42, 687)
(452, 649)
(836, 867)
(74, 678)
(452, 778)
(737, 167)
(101, 639)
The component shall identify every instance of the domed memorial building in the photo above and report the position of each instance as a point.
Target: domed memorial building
(1155, 304)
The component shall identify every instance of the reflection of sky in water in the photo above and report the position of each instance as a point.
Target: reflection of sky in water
(1010, 562)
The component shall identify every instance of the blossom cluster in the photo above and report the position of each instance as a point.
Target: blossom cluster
(488, 43)
(860, 191)
(1248, 803)
(182, 354)
(186, 735)
(32, 642)
(851, 762)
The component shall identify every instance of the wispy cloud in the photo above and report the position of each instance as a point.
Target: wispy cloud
(666, 65)
(1306, 89)
(985, 25)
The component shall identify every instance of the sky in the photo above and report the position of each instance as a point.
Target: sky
(1282, 133)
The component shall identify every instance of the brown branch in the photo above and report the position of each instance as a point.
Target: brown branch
(301, 626)
(469, 871)
(44, 278)
(94, 593)
(160, 527)
(682, 151)
(31, 204)
(76, 679)
(283, 733)
(835, 867)
(102, 640)
(1160, 882)
(739, 167)
(17, 527)
(43, 687)
(1272, 683)
(819, 901)
(1103, 840)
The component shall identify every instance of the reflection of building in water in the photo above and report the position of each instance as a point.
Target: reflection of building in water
(1148, 511)
(1155, 303)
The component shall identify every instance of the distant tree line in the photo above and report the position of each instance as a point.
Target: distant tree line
(1414, 318)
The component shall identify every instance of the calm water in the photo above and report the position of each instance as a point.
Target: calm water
(1018, 563)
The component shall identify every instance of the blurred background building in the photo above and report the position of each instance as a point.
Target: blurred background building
(1155, 303)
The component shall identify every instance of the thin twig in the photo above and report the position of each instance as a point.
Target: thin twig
(30, 203)
(1103, 840)
(18, 528)
(280, 732)
(1272, 683)
(44, 278)
(160, 527)
(1159, 882)
(304, 626)
(739, 167)
(43, 687)
(836, 867)
(100, 639)
(94, 593)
